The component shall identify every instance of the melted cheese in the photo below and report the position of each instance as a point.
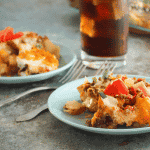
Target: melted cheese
(110, 101)
(37, 60)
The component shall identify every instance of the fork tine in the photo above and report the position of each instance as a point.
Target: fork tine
(100, 68)
(70, 70)
(84, 67)
(78, 67)
(109, 69)
(79, 72)
(115, 64)
(108, 66)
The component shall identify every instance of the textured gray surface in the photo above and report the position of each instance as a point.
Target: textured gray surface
(61, 23)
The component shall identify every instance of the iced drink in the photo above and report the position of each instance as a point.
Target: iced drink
(104, 28)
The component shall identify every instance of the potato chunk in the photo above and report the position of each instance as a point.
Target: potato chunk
(13, 64)
(4, 70)
(74, 108)
(49, 46)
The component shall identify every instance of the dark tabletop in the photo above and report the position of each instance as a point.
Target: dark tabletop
(60, 22)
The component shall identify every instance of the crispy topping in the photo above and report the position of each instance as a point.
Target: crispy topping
(36, 54)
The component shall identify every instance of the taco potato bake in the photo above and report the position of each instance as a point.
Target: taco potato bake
(26, 53)
(114, 101)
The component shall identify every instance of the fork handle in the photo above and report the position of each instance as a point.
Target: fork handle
(11, 99)
(32, 113)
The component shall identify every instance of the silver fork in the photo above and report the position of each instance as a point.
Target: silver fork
(105, 67)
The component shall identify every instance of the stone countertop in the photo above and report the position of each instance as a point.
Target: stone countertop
(60, 22)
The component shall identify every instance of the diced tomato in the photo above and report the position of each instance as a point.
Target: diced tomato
(133, 90)
(5, 32)
(143, 90)
(6, 29)
(18, 35)
(9, 29)
(116, 88)
(1, 32)
(123, 78)
(8, 34)
(139, 79)
(2, 38)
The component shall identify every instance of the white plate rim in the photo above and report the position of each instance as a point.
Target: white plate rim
(56, 113)
(42, 76)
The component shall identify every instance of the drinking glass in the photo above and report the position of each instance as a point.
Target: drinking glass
(104, 31)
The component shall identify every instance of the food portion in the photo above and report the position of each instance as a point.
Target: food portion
(26, 53)
(114, 102)
(74, 108)
(140, 14)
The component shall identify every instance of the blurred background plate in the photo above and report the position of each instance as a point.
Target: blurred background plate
(66, 60)
(138, 30)
(133, 27)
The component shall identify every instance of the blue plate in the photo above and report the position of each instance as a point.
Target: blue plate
(139, 28)
(66, 60)
(69, 92)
